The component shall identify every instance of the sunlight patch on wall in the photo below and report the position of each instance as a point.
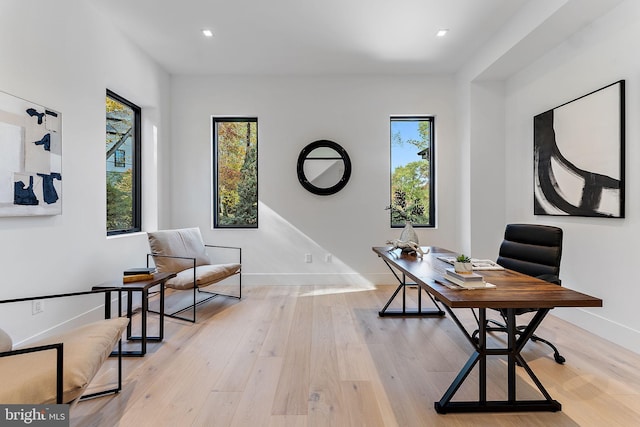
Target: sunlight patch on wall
(286, 261)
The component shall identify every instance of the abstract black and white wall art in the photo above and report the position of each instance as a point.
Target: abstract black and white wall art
(579, 156)
(30, 158)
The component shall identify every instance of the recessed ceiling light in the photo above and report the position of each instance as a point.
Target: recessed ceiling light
(207, 33)
(443, 32)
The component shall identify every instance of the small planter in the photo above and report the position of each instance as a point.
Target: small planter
(463, 267)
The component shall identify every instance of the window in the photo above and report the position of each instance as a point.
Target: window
(123, 165)
(119, 159)
(412, 177)
(235, 178)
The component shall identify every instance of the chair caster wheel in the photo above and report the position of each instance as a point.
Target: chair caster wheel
(559, 359)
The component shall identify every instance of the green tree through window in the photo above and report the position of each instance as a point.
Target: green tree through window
(412, 180)
(236, 172)
(123, 165)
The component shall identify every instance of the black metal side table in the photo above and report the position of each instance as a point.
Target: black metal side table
(159, 279)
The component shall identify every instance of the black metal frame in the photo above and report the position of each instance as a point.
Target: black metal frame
(432, 169)
(137, 165)
(403, 312)
(59, 347)
(515, 342)
(545, 149)
(143, 337)
(342, 155)
(215, 199)
(502, 327)
(196, 289)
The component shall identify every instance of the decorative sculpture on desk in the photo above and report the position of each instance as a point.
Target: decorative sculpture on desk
(408, 241)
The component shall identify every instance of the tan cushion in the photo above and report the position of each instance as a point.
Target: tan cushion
(5, 341)
(205, 275)
(185, 242)
(31, 378)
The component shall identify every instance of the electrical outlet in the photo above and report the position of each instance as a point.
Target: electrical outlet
(37, 307)
(308, 258)
(328, 258)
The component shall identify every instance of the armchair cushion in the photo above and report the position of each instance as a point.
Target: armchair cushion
(32, 377)
(205, 275)
(185, 242)
(5, 341)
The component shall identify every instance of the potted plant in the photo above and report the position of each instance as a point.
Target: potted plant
(462, 264)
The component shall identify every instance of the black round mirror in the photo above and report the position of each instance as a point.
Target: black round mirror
(324, 167)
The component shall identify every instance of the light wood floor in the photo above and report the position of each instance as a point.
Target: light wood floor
(321, 356)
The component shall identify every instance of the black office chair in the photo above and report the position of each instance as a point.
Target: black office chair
(534, 250)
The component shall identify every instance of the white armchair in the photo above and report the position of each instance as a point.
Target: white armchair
(59, 368)
(182, 251)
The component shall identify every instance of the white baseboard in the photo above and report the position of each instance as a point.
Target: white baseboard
(92, 314)
(603, 327)
(301, 279)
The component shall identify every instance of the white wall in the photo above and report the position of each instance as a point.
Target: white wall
(55, 54)
(486, 168)
(63, 55)
(597, 252)
(292, 112)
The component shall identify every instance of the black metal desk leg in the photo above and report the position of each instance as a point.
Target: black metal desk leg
(404, 294)
(511, 356)
(482, 349)
(515, 342)
(445, 405)
(403, 312)
(384, 309)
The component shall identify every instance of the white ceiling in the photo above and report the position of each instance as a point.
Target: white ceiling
(309, 36)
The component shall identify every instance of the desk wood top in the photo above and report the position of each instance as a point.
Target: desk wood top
(513, 289)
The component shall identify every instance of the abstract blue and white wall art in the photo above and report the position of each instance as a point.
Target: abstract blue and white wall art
(579, 156)
(30, 158)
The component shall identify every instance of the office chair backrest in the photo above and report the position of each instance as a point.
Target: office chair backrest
(531, 249)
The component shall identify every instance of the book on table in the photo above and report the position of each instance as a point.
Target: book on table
(139, 270)
(477, 264)
(129, 278)
(466, 280)
(467, 277)
(138, 274)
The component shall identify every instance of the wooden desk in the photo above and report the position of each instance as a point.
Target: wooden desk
(513, 290)
(143, 287)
